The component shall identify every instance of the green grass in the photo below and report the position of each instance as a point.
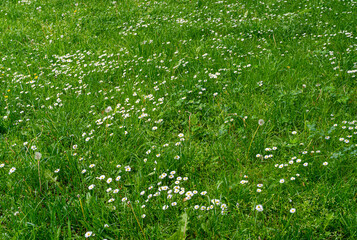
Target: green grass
(209, 70)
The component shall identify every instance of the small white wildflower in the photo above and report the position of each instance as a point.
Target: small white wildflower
(88, 234)
(259, 208)
(13, 169)
(108, 109)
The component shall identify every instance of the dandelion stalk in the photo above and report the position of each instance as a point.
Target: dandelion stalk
(39, 176)
(137, 220)
(261, 123)
(80, 202)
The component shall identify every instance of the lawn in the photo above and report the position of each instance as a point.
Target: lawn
(178, 119)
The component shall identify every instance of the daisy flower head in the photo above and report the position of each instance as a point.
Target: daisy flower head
(282, 180)
(325, 163)
(293, 210)
(305, 164)
(88, 234)
(91, 187)
(259, 208)
(13, 169)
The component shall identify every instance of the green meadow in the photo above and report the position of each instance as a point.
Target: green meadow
(178, 119)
